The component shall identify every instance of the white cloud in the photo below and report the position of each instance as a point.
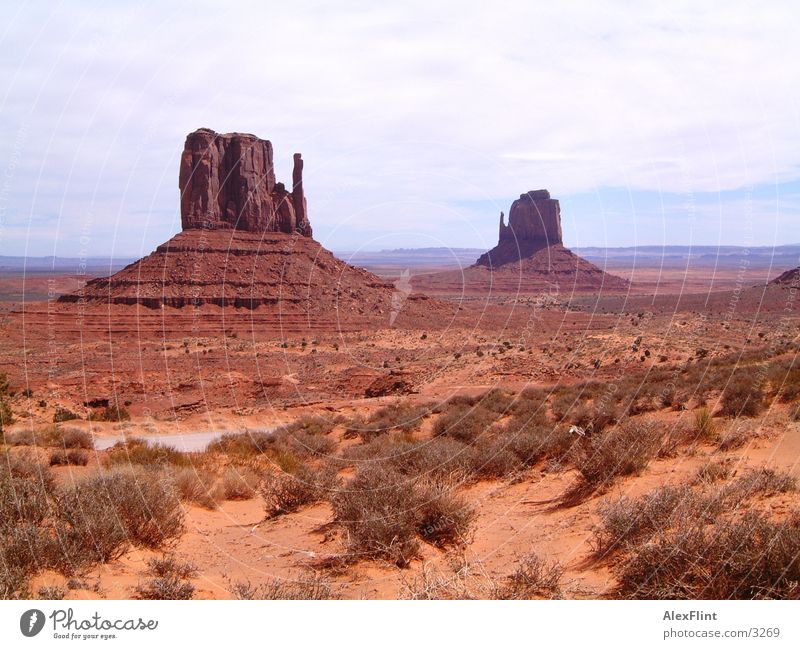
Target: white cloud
(403, 112)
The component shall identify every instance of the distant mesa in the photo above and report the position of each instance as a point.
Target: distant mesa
(529, 257)
(228, 182)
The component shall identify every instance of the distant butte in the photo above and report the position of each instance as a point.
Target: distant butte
(529, 257)
(534, 222)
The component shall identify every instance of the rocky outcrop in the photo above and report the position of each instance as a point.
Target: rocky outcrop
(789, 278)
(227, 182)
(534, 223)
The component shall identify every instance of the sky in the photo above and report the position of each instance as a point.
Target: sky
(653, 123)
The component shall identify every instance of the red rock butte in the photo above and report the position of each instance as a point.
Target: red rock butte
(246, 244)
(228, 182)
(529, 257)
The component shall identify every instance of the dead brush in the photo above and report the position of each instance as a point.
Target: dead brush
(384, 514)
(742, 397)
(401, 417)
(239, 483)
(71, 457)
(169, 580)
(626, 450)
(534, 578)
(712, 472)
(464, 423)
(757, 481)
(378, 512)
(750, 557)
(283, 493)
(310, 586)
(103, 513)
(627, 522)
(198, 486)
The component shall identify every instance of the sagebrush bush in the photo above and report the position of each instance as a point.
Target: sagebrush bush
(625, 450)
(306, 587)
(464, 423)
(402, 417)
(445, 518)
(283, 492)
(138, 451)
(110, 509)
(239, 483)
(534, 578)
(378, 512)
(198, 486)
(67, 457)
(627, 522)
(169, 580)
(750, 557)
(742, 396)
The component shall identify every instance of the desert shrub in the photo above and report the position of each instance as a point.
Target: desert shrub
(307, 587)
(74, 438)
(6, 416)
(594, 418)
(197, 486)
(112, 412)
(735, 439)
(285, 446)
(239, 483)
(784, 376)
(445, 518)
(712, 472)
(24, 549)
(283, 492)
(742, 397)
(464, 423)
(67, 457)
(63, 414)
(23, 499)
(169, 579)
(493, 458)
(51, 593)
(138, 451)
(314, 425)
(378, 512)
(534, 578)
(563, 403)
(496, 401)
(440, 458)
(757, 481)
(626, 522)
(104, 512)
(704, 424)
(747, 558)
(401, 417)
(244, 444)
(626, 450)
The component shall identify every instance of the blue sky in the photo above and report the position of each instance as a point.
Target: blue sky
(653, 123)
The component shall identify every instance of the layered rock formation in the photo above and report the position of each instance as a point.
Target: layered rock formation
(534, 222)
(228, 182)
(246, 244)
(529, 257)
